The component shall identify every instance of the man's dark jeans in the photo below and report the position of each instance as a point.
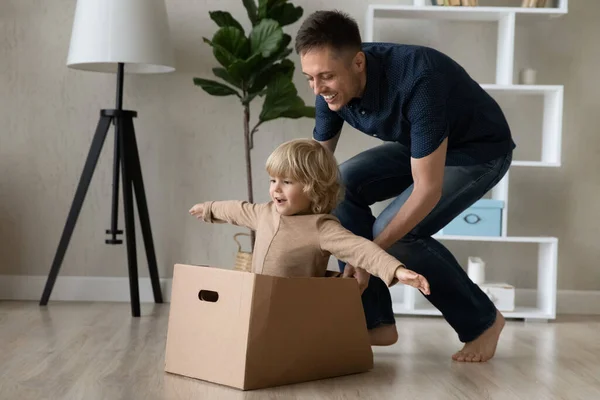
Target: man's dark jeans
(383, 173)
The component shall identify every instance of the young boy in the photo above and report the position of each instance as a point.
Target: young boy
(295, 234)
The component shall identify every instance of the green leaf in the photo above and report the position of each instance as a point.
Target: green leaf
(265, 38)
(239, 70)
(215, 88)
(223, 56)
(243, 70)
(285, 13)
(252, 11)
(280, 54)
(265, 7)
(262, 9)
(232, 40)
(286, 67)
(224, 18)
(223, 74)
(282, 101)
(254, 62)
(229, 45)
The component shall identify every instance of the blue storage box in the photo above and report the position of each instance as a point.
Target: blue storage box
(484, 218)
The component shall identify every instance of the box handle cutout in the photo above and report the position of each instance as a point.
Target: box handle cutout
(208, 295)
(472, 218)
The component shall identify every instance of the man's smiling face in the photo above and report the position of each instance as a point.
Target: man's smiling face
(337, 77)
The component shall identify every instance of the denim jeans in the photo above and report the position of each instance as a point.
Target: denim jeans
(384, 172)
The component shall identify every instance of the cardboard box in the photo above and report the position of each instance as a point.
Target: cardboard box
(252, 331)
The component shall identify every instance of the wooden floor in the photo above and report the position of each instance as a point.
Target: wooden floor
(97, 351)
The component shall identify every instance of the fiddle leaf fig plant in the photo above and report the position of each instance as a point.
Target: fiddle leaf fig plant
(255, 64)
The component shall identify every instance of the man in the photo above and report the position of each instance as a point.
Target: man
(447, 143)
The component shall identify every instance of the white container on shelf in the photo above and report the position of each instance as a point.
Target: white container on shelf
(476, 270)
(501, 294)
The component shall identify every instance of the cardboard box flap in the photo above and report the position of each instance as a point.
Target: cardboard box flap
(305, 328)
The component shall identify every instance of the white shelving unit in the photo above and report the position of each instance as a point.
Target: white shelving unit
(542, 306)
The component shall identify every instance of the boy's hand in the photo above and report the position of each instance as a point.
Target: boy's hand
(197, 211)
(362, 276)
(413, 279)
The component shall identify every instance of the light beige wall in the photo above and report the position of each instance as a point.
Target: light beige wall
(192, 149)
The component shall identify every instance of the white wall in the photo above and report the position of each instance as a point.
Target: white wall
(191, 144)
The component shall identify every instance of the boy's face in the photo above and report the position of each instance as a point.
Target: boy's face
(338, 78)
(288, 196)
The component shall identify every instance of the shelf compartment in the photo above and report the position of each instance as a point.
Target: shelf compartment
(407, 300)
(459, 13)
(551, 137)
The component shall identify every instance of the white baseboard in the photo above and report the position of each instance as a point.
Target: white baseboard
(84, 288)
(78, 288)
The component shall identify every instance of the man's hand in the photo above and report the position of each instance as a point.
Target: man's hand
(197, 211)
(360, 274)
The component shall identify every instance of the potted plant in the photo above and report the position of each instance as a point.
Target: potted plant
(256, 65)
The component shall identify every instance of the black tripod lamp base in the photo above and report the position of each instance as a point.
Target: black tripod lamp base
(126, 160)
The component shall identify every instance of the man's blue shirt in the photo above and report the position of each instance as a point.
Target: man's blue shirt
(418, 96)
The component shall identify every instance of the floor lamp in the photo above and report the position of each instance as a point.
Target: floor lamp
(118, 36)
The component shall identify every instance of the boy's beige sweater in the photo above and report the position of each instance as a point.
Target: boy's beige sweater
(300, 245)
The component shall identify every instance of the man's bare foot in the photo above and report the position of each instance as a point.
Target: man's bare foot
(383, 335)
(484, 347)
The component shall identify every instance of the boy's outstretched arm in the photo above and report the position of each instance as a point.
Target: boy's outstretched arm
(363, 253)
(236, 212)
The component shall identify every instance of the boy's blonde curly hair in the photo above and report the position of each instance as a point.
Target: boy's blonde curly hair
(311, 164)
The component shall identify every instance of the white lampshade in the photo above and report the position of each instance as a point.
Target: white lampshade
(133, 32)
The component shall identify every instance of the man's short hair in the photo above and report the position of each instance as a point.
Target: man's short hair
(333, 29)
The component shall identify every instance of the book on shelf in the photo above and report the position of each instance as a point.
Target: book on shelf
(533, 3)
(464, 3)
(474, 3)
